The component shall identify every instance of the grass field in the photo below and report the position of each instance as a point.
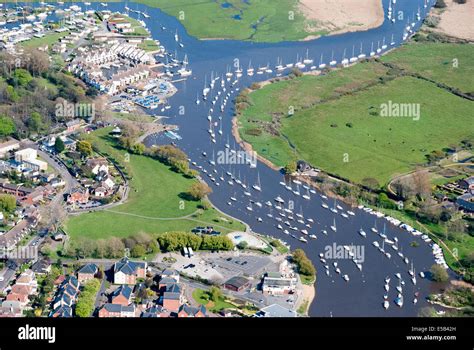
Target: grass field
(48, 39)
(334, 126)
(202, 297)
(154, 198)
(450, 64)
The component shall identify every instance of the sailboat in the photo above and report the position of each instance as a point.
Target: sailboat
(307, 60)
(321, 64)
(413, 278)
(353, 58)
(392, 42)
(374, 229)
(386, 304)
(344, 60)
(362, 232)
(333, 226)
(333, 62)
(361, 55)
(307, 196)
(249, 207)
(257, 186)
(399, 300)
(372, 53)
(384, 46)
(176, 36)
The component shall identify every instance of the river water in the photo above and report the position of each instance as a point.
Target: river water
(363, 294)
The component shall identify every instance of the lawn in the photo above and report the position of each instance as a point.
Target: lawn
(49, 39)
(450, 64)
(154, 204)
(374, 146)
(148, 45)
(335, 125)
(274, 100)
(201, 297)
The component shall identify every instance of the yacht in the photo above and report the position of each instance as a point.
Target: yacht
(362, 232)
(333, 226)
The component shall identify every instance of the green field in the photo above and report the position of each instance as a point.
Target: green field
(336, 125)
(49, 39)
(153, 202)
(450, 64)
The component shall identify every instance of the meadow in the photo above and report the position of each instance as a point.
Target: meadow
(154, 204)
(337, 124)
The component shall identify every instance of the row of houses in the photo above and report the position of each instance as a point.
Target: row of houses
(65, 298)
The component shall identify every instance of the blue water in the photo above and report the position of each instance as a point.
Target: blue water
(363, 294)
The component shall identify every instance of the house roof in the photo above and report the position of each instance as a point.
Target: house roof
(153, 311)
(167, 280)
(276, 310)
(237, 281)
(191, 310)
(118, 308)
(62, 311)
(123, 290)
(169, 272)
(128, 267)
(173, 288)
(171, 296)
(88, 269)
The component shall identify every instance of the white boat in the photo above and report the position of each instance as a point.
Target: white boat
(387, 280)
(333, 226)
(324, 205)
(346, 278)
(422, 274)
(313, 236)
(362, 233)
(387, 287)
(386, 304)
(302, 239)
(257, 186)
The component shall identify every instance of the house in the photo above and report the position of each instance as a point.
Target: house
(467, 184)
(28, 280)
(96, 165)
(466, 201)
(275, 284)
(29, 156)
(41, 267)
(117, 310)
(73, 125)
(108, 183)
(190, 311)
(61, 311)
(275, 310)
(122, 295)
(237, 284)
(171, 298)
(11, 308)
(67, 293)
(8, 146)
(100, 191)
(21, 298)
(79, 196)
(155, 311)
(170, 273)
(87, 272)
(127, 272)
(165, 282)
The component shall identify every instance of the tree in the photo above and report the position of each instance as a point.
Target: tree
(138, 251)
(438, 273)
(7, 203)
(290, 168)
(215, 294)
(304, 265)
(199, 190)
(85, 148)
(35, 122)
(59, 145)
(7, 126)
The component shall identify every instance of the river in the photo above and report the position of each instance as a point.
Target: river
(363, 294)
